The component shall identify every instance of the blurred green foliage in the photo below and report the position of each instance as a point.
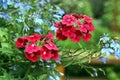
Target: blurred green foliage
(111, 11)
(77, 6)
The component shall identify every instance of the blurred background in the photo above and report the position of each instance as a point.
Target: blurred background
(106, 14)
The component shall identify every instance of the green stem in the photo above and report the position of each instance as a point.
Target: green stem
(25, 77)
(4, 63)
(14, 11)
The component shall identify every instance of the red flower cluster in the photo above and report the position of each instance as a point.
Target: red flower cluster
(37, 45)
(75, 27)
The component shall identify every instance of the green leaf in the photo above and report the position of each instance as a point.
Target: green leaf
(42, 77)
(5, 45)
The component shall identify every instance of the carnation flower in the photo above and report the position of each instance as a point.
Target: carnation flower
(33, 56)
(74, 26)
(33, 38)
(86, 37)
(32, 48)
(51, 46)
(45, 53)
(68, 20)
(60, 36)
(21, 42)
(55, 55)
(75, 36)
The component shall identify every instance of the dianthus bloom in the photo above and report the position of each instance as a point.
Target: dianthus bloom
(21, 42)
(75, 27)
(38, 46)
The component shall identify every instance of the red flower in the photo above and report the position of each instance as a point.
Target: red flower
(55, 55)
(77, 16)
(21, 42)
(90, 27)
(86, 37)
(83, 28)
(33, 56)
(75, 36)
(34, 38)
(31, 48)
(68, 20)
(51, 46)
(57, 24)
(60, 36)
(45, 53)
(66, 30)
(50, 36)
(87, 19)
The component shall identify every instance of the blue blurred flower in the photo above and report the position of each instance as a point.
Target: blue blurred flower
(2, 14)
(24, 7)
(52, 27)
(117, 53)
(59, 11)
(20, 19)
(95, 72)
(48, 1)
(13, 67)
(5, 16)
(56, 76)
(103, 59)
(114, 44)
(50, 66)
(105, 38)
(5, 3)
(58, 61)
(17, 3)
(107, 50)
(57, 17)
(41, 3)
(38, 30)
(25, 28)
(37, 18)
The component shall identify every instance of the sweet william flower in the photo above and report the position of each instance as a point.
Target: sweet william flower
(87, 19)
(77, 16)
(31, 48)
(90, 27)
(51, 46)
(82, 28)
(34, 38)
(75, 36)
(33, 56)
(68, 20)
(57, 24)
(45, 53)
(50, 37)
(86, 37)
(21, 42)
(55, 55)
(67, 30)
(74, 27)
(60, 36)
